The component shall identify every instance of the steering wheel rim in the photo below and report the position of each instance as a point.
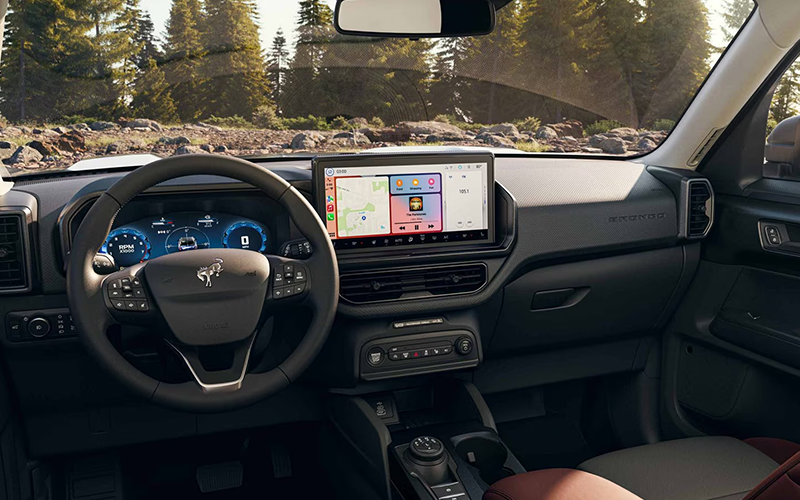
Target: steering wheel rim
(93, 318)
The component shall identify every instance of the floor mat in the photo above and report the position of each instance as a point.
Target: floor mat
(545, 442)
(168, 470)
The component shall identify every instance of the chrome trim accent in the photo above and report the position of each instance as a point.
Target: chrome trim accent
(224, 387)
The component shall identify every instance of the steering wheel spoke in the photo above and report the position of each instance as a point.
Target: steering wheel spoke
(219, 371)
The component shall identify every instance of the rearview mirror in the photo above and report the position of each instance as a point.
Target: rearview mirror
(414, 18)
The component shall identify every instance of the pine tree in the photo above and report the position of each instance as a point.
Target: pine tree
(556, 37)
(184, 53)
(303, 82)
(145, 39)
(786, 99)
(676, 40)
(735, 13)
(276, 65)
(236, 83)
(152, 98)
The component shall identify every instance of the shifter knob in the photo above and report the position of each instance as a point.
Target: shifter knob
(426, 449)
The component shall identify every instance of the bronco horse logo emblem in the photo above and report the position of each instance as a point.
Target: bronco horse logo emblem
(205, 273)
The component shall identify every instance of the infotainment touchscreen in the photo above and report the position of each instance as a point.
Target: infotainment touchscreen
(419, 201)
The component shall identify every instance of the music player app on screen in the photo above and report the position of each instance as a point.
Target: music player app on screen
(412, 204)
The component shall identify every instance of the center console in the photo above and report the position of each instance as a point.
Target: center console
(435, 442)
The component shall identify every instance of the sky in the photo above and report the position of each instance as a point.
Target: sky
(275, 14)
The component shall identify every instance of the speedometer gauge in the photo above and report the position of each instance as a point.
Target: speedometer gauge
(127, 246)
(245, 235)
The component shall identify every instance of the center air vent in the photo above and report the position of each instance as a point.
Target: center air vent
(13, 267)
(412, 283)
(701, 207)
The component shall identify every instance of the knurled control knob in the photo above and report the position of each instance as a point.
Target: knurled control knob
(39, 327)
(426, 449)
(464, 346)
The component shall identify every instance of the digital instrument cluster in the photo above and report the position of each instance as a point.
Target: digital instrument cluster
(152, 237)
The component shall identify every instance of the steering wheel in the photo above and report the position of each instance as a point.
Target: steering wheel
(204, 300)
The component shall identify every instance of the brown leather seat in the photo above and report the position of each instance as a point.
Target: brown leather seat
(567, 484)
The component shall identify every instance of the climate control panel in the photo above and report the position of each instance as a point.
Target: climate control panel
(418, 354)
(25, 326)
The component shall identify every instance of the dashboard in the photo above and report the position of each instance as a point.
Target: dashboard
(153, 237)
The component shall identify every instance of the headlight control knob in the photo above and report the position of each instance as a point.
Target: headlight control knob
(464, 346)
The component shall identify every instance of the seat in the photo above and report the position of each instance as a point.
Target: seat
(705, 468)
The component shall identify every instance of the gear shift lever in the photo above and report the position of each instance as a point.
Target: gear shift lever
(426, 450)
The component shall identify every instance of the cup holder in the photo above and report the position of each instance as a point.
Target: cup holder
(486, 454)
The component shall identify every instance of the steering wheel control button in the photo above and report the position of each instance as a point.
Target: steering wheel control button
(288, 280)
(426, 449)
(114, 285)
(142, 305)
(464, 345)
(277, 293)
(375, 356)
(119, 304)
(39, 327)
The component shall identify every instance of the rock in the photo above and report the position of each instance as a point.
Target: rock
(624, 132)
(596, 140)
(44, 148)
(496, 141)
(646, 144)
(10, 132)
(208, 126)
(207, 148)
(387, 134)
(60, 130)
(37, 131)
(306, 140)
(189, 150)
(113, 148)
(546, 134)
(353, 137)
(569, 127)
(444, 131)
(569, 138)
(136, 143)
(507, 129)
(174, 141)
(143, 123)
(358, 122)
(6, 153)
(614, 146)
(587, 149)
(24, 155)
(102, 126)
(6, 145)
(71, 142)
(26, 130)
(79, 126)
(221, 149)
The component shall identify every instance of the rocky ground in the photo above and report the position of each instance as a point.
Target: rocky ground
(34, 149)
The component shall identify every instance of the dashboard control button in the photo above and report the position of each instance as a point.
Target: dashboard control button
(375, 356)
(464, 345)
(395, 356)
(39, 327)
(454, 491)
(447, 349)
(15, 329)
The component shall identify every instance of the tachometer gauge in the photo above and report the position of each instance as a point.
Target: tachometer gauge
(186, 238)
(245, 235)
(127, 246)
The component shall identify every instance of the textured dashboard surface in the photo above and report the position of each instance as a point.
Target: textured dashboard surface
(565, 207)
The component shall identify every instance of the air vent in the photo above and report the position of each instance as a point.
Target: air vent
(700, 211)
(13, 266)
(412, 283)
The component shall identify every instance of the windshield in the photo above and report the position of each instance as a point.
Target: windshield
(82, 79)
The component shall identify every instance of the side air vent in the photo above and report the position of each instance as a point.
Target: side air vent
(379, 286)
(13, 259)
(700, 212)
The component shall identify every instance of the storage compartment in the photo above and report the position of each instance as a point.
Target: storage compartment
(588, 300)
(761, 315)
(486, 453)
